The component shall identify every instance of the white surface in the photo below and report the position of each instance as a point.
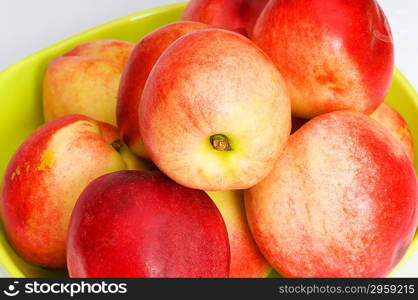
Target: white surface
(27, 26)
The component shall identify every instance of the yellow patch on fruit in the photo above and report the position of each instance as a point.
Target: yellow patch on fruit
(403, 131)
(47, 160)
(16, 173)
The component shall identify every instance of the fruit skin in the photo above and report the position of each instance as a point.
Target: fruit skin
(235, 15)
(246, 260)
(341, 201)
(142, 224)
(207, 83)
(395, 123)
(44, 179)
(86, 80)
(134, 76)
(334, 55)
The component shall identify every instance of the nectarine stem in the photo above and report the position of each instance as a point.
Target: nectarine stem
(117, 145)
(220, 142)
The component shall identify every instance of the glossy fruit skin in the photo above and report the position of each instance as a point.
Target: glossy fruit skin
(139, 65)
(297, 123)
(334, 55)
(341, 201)
(234, 15)
(85, 80)
(44, 179)
(212, 82)
(142, 224)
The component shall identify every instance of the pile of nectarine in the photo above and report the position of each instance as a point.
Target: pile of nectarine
(250, 134)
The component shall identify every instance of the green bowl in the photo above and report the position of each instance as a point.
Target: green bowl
(21, 105)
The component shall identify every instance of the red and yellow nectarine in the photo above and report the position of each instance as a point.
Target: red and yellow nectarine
(334, 54)
(142, 224)
(46, 175)
(138, 67)
(214, 113)
(397, 126)
(341, 201)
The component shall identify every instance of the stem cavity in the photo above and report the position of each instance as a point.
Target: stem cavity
(220, 142)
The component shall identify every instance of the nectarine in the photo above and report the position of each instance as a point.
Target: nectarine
(138, 67)
(86, 80)
(214, 113)
(341, 201)
(334, 54)
(246, 260)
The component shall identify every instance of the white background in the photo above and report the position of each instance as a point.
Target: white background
(27, 26)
